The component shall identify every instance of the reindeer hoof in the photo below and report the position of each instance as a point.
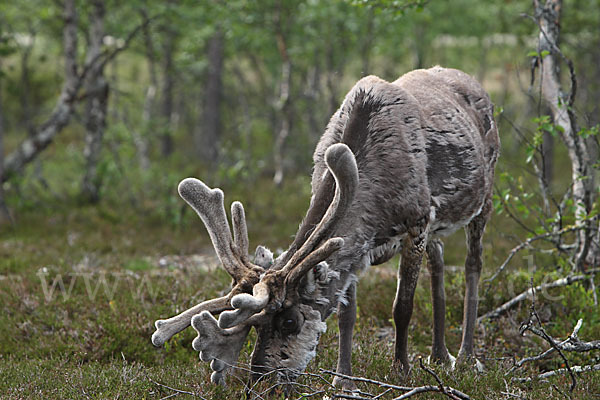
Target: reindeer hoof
(447, 360)
(470, 362)
(344, 384)
(402, 368)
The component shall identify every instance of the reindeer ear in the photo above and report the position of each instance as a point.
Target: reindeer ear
(263, 257)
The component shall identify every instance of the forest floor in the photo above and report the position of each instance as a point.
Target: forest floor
(80, 289)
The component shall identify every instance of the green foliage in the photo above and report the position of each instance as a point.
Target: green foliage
(543, 125)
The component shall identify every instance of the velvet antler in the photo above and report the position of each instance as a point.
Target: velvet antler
(275, 284)
(232, 252)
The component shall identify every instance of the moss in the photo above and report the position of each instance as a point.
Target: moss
(93, 337)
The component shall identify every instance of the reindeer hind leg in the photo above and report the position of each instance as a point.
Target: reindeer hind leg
(473, 264)
(435, 264)
(413, 248)
(346, 320)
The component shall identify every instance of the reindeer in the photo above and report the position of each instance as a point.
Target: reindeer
(400, 165)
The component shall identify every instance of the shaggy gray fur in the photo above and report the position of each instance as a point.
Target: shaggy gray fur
(425, 147)
(399, 165)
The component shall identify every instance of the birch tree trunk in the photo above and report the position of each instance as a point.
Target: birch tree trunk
(548, 18)
(29, 148)
(283, 105)
(96, 89)
(60, 116)
(25, 95)
(4, 212)
(140, 138)
(168, 85)
(208, 132)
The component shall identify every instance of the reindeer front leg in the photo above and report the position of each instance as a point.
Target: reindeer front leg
(346, 320)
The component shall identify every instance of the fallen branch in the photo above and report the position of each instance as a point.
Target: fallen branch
(577, 369)
(541, 332)
(176, 391)
(528, 294)
(570, 344)
(525, 244)
(408, 390)
(437, 378)
(307, 390)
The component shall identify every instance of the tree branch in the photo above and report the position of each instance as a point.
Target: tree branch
(526, 243)
(409, 391)
(29, 148)
(529, 293)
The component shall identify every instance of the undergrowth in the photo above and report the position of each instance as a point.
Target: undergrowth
(81, 286)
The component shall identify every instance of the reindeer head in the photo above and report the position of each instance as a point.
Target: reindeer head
(274, 296)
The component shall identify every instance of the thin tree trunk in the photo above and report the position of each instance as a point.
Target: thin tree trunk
(548, 155)
(32, 146)
(245, 117)
(285, 124)
(167, 92)
(25, 95)
(72, 83)
(25, 99)
(313, 94)
(283, 103)
(208, 133)
(419, 46)
(141, 138)
(29, 148)
(483, 59)
(336, 61)
(96, 89)
(367, 44)
(548, 17)
(4, 212)
(332, 81)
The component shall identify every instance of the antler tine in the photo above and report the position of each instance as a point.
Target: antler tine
(240, 231)
(245, 305)
(166, 328)
(208, 204)
(342, 164)
(221, 346)
(321, 254)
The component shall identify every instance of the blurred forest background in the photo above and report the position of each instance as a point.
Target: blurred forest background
(106, 105)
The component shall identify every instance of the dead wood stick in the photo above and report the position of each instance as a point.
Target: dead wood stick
(527, 294)
(177, 391)
(577, 369)
(409, 391)
(541, 332)
(571, 344)
(525, 244)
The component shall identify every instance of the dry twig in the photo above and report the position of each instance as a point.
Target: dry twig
(408, 390)
(576, 369)
(571, 344)
(527, 243)
(176, 391)
(529, 293)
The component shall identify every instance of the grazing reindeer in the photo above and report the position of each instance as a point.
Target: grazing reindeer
(400, 164)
